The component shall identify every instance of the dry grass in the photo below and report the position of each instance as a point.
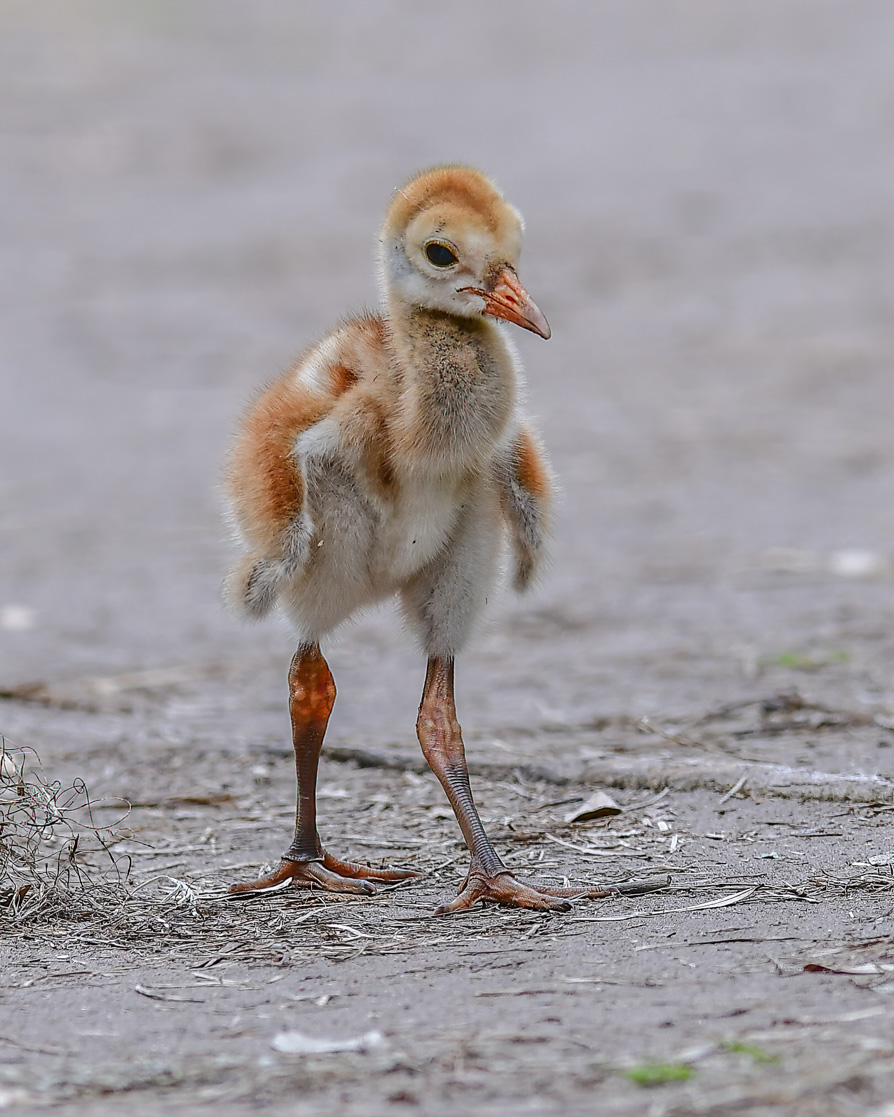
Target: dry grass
(55, 858)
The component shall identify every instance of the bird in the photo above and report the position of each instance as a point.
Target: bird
(394, 460)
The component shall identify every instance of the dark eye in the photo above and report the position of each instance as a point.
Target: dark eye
(440, 255)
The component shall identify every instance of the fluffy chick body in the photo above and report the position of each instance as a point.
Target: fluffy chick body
(393, 457)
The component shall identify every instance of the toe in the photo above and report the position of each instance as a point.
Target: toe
(274, 882)
(317, 873)
(523, 897)
(463, 902)
(364, 872)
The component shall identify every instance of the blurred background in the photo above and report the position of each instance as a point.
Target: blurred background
(190, 194)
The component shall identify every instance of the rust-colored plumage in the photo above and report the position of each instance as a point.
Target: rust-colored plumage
(393, 460)
(266, 491)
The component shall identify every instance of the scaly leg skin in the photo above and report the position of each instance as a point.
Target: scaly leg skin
(442, 745)
(305, 863)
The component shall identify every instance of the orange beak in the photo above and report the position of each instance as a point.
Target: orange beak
(508, 299)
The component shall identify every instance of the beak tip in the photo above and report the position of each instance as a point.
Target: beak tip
(535, 321)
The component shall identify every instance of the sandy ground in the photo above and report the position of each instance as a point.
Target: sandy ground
(190, 194)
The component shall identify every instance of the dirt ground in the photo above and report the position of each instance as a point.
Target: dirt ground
(190, 194)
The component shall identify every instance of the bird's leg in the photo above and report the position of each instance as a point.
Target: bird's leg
(305, 863)
(442, 745)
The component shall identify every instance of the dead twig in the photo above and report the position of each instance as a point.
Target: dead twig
(735, 789)
(723, 902)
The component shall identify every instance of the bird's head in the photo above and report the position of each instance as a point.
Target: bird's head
(451, 243)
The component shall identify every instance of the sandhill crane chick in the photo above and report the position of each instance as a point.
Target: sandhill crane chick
(393, 460)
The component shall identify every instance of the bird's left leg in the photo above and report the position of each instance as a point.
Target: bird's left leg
(442, 745)
(305, 863)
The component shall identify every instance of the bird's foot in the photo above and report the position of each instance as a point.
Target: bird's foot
(326, 873)
(501, 887)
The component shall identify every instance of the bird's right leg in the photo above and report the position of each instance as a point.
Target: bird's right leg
(305, 863)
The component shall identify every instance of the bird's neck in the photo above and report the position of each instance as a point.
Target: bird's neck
(457, 387)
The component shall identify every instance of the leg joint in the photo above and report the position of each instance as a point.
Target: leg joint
(311, 686)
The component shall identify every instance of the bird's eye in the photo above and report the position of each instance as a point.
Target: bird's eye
(439, 254)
